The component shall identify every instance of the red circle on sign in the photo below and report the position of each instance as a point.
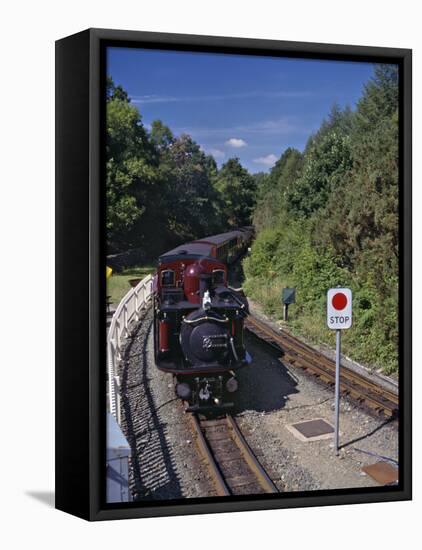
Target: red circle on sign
(339, 300)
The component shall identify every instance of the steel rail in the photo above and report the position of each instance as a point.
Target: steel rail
(224, 487)
(311, 354)
(299, 354)
(250, 458)
(220, 485)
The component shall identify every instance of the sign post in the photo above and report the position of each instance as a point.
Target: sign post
(339, 317)
(288, 297)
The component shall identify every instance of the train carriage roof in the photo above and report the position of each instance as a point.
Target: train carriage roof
(197, 249)
(220, 238)
(202, 247)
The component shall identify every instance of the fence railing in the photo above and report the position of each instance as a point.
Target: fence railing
(127, 313)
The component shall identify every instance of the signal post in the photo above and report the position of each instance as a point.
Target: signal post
(339, 317)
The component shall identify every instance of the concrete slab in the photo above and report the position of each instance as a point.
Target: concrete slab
(311, 430)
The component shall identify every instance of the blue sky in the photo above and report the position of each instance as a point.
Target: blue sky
(245, 106)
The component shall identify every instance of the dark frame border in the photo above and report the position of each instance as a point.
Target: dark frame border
(89, 501)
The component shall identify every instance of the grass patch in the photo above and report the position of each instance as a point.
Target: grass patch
(118, 284)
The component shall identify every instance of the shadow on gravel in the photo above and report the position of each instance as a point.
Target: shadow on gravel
(154, 477)
(266, 385)
(368, 434)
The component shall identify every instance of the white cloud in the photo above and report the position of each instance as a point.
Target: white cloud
(284, 126)
(268, 160)
(154, 99)
(236, 142)
(216, 153)
(276, 94)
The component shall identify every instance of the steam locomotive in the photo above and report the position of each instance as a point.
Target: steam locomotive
(198, 319)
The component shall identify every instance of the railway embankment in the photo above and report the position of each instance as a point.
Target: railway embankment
(272, 396)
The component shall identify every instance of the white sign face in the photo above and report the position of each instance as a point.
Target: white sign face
(339, 308)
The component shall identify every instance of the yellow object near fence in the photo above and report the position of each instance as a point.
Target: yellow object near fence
(109, 271)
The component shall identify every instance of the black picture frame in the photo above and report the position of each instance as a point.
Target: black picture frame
(80, 260)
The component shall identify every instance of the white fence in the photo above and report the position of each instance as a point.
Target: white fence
(127, 312)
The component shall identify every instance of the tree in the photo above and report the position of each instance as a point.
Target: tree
(238, 193)
(327, 160)
(161, 135)
(131, 170)
(192, 203)
(115, 92)
(362, 216)
(271, 202)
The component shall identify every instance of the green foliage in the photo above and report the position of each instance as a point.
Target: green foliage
(331, 219)
(187, 174)
(237, 189)
(131, 169)
(272, 190)
(326, 162)
(161, 135)
(115, 92)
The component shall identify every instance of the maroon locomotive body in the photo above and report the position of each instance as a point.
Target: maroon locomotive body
(198, 319)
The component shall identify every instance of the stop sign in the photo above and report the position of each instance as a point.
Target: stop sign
(339, 308)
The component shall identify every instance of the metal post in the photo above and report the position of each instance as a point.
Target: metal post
(118, 401)
(136, 306)
(337, 392)
(125, 320)
(285, 312)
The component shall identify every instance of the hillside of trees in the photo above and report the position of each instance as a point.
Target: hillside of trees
(328, 217)
(163, 190)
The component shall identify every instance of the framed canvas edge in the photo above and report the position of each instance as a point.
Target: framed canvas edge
(101, 37)
(72, 215)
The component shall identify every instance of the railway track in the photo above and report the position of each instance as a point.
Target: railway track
(231, 462)
(353, 385)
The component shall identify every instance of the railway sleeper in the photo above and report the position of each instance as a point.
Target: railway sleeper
(243, 480)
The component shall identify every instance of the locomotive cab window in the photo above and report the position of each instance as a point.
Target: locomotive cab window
(168, 277)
